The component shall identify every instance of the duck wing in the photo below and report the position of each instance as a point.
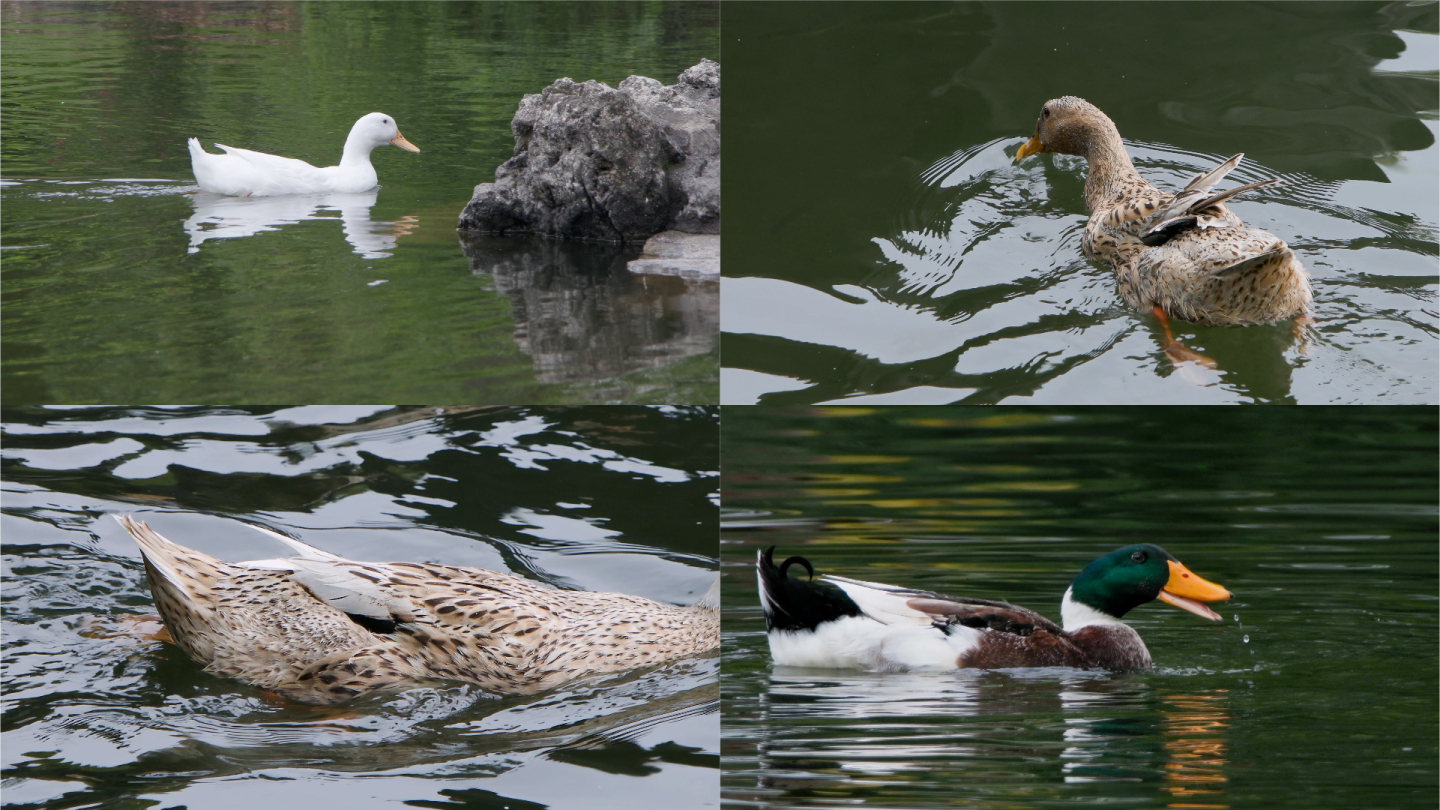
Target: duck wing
(1191, 208)
(890, 604)
(1278, 254)
(243, 172)
(270, 164)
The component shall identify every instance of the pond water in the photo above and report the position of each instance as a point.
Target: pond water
(606, 499)
(123, 282)
(883, 247)
(1316, 690)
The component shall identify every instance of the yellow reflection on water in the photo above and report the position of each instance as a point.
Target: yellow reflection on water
(845, 478)
(993, 421)
(1194, 727)
(840, 411)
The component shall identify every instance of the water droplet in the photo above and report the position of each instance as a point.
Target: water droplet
(1245, 638)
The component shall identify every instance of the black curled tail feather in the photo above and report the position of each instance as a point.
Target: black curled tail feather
(791, 603)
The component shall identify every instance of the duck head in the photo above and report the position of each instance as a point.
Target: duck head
(1129, 577)
(1070, 126)
(378, 129)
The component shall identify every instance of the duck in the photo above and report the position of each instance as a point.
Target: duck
(1182, 255)
(243, 173)
(843, 623)
(320, 629)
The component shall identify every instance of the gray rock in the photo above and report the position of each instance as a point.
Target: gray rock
(619, 165)
(673, 253)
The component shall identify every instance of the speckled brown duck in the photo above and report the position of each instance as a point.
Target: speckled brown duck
(322, 629)
(842, 623)
(1181, 255)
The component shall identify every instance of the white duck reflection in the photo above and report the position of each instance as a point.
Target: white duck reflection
(220, 217)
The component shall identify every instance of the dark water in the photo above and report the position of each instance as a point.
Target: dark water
(883, 248)
(124, 283)
(1318, 688)
(614, 499)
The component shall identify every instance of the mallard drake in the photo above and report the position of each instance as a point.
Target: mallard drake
(852, 624)
(1179, 255)
(243, 173)
(319, 628)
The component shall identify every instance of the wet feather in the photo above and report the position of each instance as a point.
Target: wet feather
(323, 629)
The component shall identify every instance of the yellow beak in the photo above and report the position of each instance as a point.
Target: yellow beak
(1030, 147)
(1186, 591)
(399, 140)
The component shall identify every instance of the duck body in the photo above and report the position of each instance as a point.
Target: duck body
(1185, 253)
(243, 173)
(321, 629)
(844, 623)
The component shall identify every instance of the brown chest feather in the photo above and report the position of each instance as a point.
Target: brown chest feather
(1114, 647)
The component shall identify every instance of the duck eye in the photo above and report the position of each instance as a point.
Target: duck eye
(1138, 556)
(1045, 111)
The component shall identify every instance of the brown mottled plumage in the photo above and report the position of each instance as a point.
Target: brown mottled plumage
(322, 629)
(1185, 253)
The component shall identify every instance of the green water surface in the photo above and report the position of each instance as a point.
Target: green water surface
(1317, 689)
(97, 714)
(883, 248)
(122, 284)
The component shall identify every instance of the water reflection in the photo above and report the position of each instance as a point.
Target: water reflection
(220, 217)
(891, 284)
(609, 498)
(820, 735)
(1008, 503)
(995, 261)
(1195, 748)
(582, 316)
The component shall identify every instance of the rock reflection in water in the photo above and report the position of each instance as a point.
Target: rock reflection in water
(582, 316)
(220, 217)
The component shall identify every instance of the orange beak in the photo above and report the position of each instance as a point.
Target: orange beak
(1186, 591)
(1030, 147)
(399, 140)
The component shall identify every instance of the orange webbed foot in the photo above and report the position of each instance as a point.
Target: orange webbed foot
(1302, 335)
(146, 627)
(1174, 349)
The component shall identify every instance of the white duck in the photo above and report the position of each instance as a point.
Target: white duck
(243, 173)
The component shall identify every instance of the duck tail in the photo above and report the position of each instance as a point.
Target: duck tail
(711, 600)
(178, 578)
(795, 604)
(171, 562)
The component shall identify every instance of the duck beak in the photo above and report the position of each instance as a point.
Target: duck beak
(399, 140)
(1186, 591)
(1030, 147)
